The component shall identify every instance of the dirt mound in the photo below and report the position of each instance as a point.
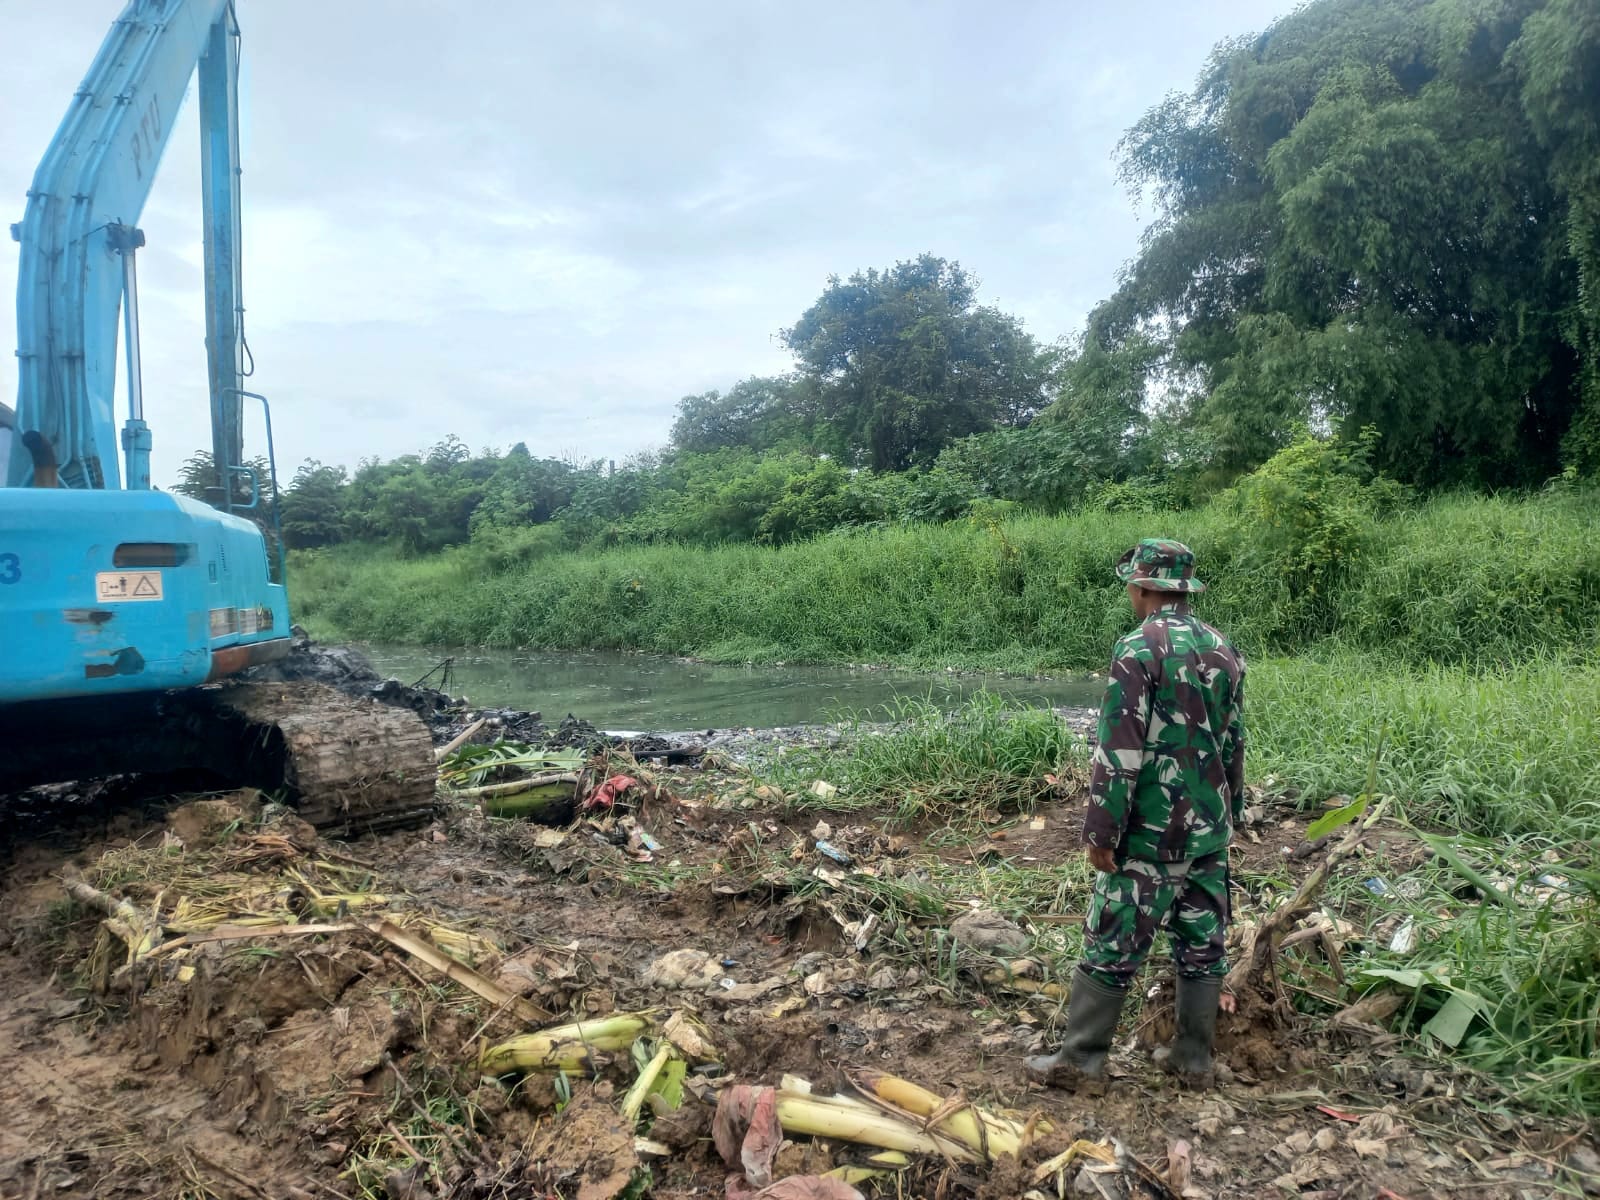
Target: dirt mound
(306, 1017)
(348, 670)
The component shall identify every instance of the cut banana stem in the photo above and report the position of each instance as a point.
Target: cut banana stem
(821, 1117)
(633, 1102)
(986, 1134)
(564, 1048)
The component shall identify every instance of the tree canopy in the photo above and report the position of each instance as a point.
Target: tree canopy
(905, 361)
(1378, 212)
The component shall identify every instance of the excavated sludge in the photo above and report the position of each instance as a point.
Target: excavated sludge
(349, 765)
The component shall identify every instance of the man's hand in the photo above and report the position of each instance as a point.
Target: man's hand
(1103, 860)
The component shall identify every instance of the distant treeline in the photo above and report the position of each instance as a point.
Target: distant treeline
(1378, 215)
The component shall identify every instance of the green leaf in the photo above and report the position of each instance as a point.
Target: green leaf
(1445, 850)
(1450, 1024)
(1337, 819)
(638, 1185)
(642, 1051)
(1413, 978)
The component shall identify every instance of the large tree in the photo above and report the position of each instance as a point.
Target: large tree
(1378, 212)
(758, 413)
(906, 360)
(314, 506)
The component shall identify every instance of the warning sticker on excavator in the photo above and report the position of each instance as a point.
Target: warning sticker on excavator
(113, 586)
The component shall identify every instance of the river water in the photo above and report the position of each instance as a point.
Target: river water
(639, 692)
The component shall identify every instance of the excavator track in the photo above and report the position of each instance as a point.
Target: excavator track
(348, 764)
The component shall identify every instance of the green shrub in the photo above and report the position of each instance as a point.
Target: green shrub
(1458, 579)
(1306, 519)
(1134, 496)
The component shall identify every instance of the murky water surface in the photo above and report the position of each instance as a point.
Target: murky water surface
(635, 692)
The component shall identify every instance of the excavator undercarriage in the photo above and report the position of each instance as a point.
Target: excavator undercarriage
(348, 764)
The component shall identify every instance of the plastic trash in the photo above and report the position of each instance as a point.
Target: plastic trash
(833, 852)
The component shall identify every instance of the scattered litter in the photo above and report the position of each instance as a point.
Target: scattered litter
(861, 932)
(684, 968)
(1179, 1166)
(988, 931)
(743, 993)
(1405, 938)
(833, 852)
(747, 1133)
(609, 792)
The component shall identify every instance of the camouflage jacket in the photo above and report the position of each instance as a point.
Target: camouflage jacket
(1168, 777)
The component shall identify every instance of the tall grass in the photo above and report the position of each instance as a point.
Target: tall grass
(981, 757)
(1469, 580)
(1503, 750)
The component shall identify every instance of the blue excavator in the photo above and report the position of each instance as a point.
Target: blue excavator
(128, 613)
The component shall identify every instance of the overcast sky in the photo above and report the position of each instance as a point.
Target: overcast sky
(547, 222)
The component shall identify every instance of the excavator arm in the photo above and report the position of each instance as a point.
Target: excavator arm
(80, 236)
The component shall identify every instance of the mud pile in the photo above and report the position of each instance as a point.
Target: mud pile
(348, 670)
(447, 717)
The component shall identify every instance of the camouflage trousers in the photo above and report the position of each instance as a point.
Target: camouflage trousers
(1187, 899)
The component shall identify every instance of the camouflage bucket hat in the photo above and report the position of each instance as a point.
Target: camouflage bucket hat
(1161, 566)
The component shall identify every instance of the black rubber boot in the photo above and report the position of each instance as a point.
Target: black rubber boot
(1092, 1014)
(1189, 1056)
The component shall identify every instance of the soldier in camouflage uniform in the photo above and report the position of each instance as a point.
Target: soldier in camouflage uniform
(1166, 790)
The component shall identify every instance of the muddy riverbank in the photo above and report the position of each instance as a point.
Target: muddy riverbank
(201, 997)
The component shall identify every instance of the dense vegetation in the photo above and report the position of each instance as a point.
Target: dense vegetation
(1457, 579)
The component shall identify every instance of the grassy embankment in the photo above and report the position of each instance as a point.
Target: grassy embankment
(1456, 580)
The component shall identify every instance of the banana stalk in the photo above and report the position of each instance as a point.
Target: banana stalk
(881, 1165)
(987, 1133)
(564, 1048)
(854, 1175)
(959, 1120)
(818, 1116)
(470, 948)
